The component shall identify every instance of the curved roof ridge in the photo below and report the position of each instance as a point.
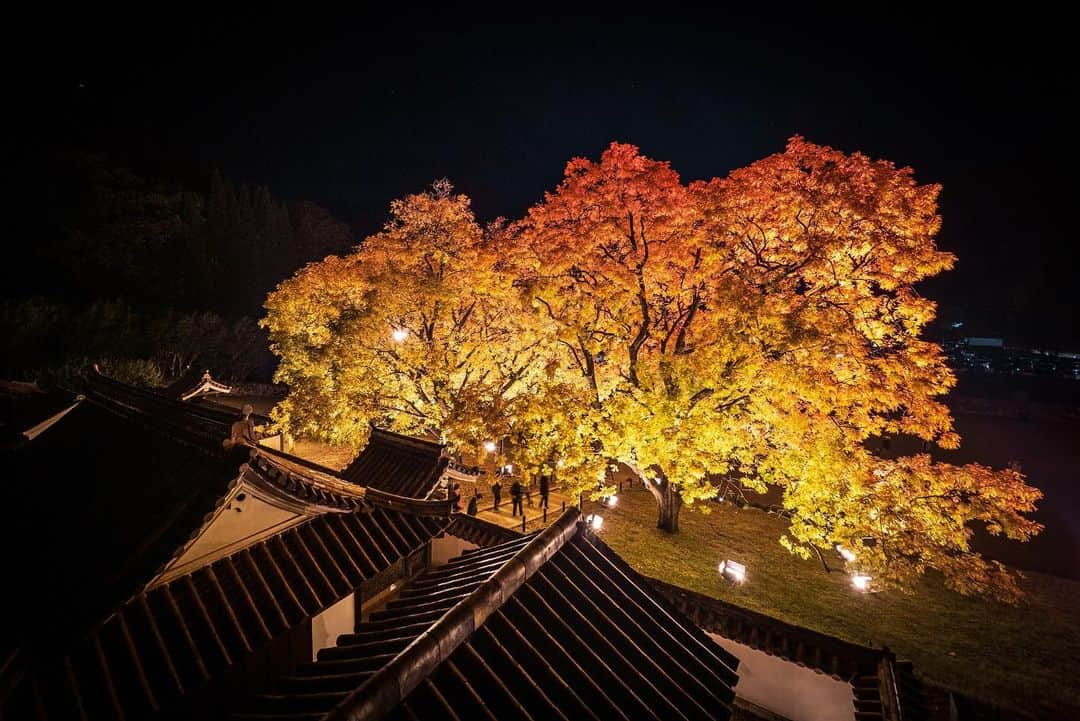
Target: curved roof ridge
(32, 433)
(280, 457)
(401, 439)
(398, 464)
(382, 692)
(181, 421)
(309, 489)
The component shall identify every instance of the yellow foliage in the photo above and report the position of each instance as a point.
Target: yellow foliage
(757, 329)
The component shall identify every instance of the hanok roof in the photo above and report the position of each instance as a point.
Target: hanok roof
(113, 498)
(194, 383)
(23, 406)
(105, 499)
(552, 625)
(478, 531)
(398, 464)
(113, 491)
(883, 687)
(176, 637)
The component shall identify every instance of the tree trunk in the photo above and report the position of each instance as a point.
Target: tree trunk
(668, 503)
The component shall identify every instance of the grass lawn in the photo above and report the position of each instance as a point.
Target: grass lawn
(1025, 659)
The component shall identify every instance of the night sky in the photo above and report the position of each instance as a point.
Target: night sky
(353, 111)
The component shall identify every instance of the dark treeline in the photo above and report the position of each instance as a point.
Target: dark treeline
(102, 264)
(54, 343)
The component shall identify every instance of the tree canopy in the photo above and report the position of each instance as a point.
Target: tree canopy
(415, 331)
(760, 329)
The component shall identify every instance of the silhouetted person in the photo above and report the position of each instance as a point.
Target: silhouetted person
(515, 497)
(471, 510)
(545, 488)
(496, 493)
(455, 498)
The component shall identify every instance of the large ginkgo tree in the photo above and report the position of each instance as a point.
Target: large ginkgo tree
(411, 331)
(760, 329)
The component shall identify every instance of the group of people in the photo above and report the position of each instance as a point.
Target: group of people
(518, 492)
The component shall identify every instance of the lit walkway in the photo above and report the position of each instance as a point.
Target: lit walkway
(534, 514)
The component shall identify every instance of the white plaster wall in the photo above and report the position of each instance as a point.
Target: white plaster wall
(447, 547)
(331, 623)
(237, 525)
(787, 689)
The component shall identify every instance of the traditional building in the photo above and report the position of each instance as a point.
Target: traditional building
(193, 384)
(397, 464)
(158, 572)
(163, 576)
(550, 625)
(25, 409)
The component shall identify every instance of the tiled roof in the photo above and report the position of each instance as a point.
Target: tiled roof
(23, 406)
(479, 531)
(106, 499)
(205, 426)
(110, 496)
(552, 625)
(358, 657)
(192, 383)
(302, 483)
(883, 688)
(397, 464)
(173, 639)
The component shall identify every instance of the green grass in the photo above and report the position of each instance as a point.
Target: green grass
(1025, 659)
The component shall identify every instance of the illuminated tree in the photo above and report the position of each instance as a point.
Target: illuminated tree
(415, 331)
(409, 332)
(760, 329)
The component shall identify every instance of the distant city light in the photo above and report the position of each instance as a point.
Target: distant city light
(489, 446)
(861, 581)
(560, 463)
(508, 468)
(594, 521)
(847, 553)
(609, 501)
(400, 334)
(733, 571)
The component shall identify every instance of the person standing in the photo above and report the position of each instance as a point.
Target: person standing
(545, 488)
(496, 494)
(515, 498)
(471, 510)
(455, 498)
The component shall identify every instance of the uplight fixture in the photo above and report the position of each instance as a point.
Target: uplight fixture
(733, 571)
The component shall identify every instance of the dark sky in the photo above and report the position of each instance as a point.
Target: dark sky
(352, 111)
